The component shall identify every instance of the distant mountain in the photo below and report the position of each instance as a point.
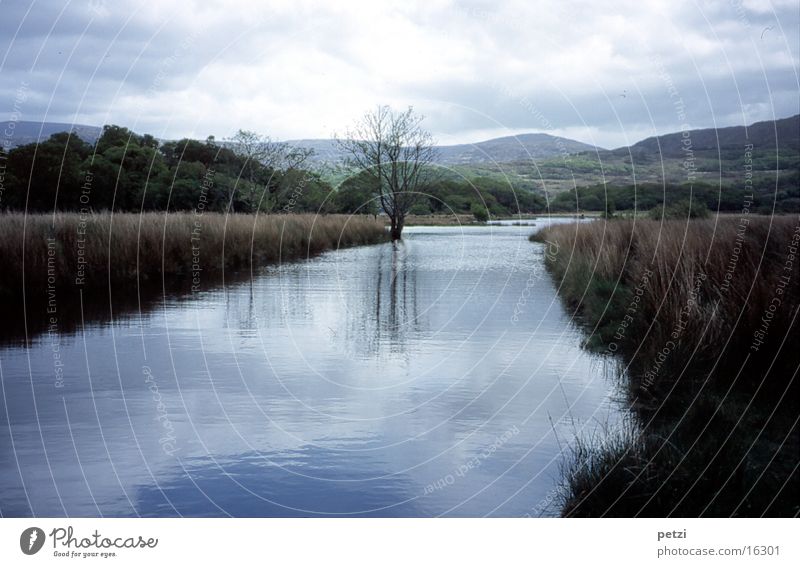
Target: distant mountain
(325, 150)
(498, 150)
(510, 149)
(717, 156)
(519, 149)
(26, 132)
(762, 135)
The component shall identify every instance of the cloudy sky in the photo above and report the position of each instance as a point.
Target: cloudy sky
(476, 69)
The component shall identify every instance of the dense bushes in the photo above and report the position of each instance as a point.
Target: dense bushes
(445, 196)
(784, 197)
(495, 197)
(125, 171)
(680, 210)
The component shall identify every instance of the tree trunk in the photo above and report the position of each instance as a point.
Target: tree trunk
(397, 227)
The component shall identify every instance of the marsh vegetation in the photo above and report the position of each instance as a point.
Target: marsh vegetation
(69, 251)
(703, 314)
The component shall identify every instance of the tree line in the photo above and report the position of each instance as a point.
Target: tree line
(781, 195)
(125, 171)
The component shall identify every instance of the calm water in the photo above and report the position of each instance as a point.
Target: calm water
(383, 380)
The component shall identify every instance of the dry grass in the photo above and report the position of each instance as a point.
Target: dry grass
(440, 220)
(710, 282)
(126, 249)
(682, 303)
(730, 469)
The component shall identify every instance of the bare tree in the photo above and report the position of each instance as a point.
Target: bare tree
(398, 153)
(260, 151)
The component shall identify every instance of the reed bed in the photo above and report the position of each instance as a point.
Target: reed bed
(700, 289)
(703, 316)
(67, 250)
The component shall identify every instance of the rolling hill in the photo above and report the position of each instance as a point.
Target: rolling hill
(498, 150)
(26, 132)
(717, 157)
(548, 163)
(765, 135)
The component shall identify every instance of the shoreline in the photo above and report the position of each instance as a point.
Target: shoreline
(466, 219)
(77, 251)
(712, 402)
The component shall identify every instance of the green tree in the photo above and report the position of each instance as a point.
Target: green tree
(609, 209)
(684, 209)
(479, 212)
(47, 176)
(357, 195)
(123, 174)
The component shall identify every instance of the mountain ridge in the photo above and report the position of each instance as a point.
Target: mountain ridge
(765, 134)
(505, 149)
(29, 132)
(535, 145)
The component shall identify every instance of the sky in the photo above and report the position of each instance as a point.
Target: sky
(604, 73)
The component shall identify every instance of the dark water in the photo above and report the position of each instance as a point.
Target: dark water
(383, 380)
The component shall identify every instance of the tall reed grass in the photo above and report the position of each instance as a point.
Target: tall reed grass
(70, 251)
(704, 316)
(681, 291)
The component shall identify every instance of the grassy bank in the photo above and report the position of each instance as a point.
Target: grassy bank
(123, 250)
(441, 220)
(704, 316)
(470, 220)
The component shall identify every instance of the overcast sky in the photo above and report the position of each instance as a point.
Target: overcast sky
(477, 69)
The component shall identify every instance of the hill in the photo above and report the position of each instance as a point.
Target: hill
(26, 132)
(784, 132)
(713, 156)
(497, 150)
(551, 165)
(510, 149)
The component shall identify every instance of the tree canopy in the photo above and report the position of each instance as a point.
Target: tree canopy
(125, 171)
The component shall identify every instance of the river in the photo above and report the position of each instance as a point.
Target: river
(438, 376)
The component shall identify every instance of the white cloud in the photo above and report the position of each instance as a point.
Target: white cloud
(304, 69)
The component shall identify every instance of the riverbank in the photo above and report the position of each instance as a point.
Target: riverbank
(470, 220)
(347, 334)
(703, 315)
(67, 251)
(441, 220)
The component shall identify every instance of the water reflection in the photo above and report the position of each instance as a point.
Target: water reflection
(383, 380)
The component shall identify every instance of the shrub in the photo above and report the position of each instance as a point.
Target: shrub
(479, 212)
(684, 209)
